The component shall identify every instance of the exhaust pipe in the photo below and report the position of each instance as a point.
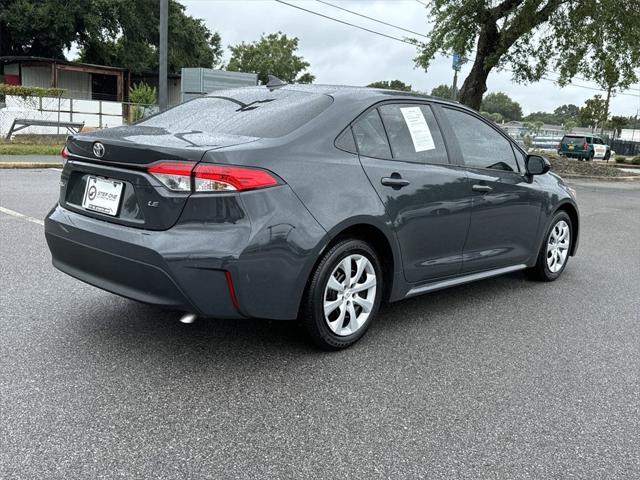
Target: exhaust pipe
(188, 318)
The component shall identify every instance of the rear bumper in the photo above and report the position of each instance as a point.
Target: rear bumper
(138, 264)
(269, 249)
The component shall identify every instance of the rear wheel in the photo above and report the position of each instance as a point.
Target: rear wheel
(343, 295)
(607, 155)
(591, 155)
(554, 253)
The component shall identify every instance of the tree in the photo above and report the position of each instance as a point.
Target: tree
(569, 125)
(391, 85)
(107, 32)
(501, 103)
(130, 37)
(544, 117)
(617, 123)
(531, 37)
(272, 54)
(41, 27)
(593, 112)
(442, 91)
(565, 113)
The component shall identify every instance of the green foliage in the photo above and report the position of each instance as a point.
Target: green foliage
(502, 104)
(569, 125)
(108, 32)
(620, 159)
(636, 160)
(24, 92)
(560, 116)
(597, 39)
(272, 54)
(10, 148)
(528, 141)
(617, 123)
(443, 91)
(391, 85)
(594, 112)
(142, 93)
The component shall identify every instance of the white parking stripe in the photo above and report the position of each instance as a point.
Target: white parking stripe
(19, 215)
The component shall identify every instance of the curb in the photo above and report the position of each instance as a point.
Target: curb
(601, 178)
(7, 165)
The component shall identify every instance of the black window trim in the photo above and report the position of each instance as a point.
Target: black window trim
(398, 101)
(521, 169)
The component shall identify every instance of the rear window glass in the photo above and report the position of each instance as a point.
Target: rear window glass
(250, 113)
(569, 139)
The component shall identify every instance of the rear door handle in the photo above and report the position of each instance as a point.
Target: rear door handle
(396, 182)
(482, 188)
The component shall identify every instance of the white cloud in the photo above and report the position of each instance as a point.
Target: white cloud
(340, 54)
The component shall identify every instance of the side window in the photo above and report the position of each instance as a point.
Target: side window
(371, 137)
(481, 145)
(413, 133)
(346, 142)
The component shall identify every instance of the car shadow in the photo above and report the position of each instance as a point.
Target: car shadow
(133, 329)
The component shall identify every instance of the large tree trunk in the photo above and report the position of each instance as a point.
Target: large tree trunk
(475, 84)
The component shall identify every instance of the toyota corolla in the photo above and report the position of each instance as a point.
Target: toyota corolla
(314, 203)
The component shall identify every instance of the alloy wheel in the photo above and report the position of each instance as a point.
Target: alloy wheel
(349, 295)
(558, 246)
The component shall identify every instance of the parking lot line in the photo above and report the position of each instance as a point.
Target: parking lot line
(20, 215)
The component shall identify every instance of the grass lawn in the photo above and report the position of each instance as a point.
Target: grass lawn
(30, 149)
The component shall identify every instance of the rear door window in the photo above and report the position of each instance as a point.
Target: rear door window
(413, 133)
(370, 136)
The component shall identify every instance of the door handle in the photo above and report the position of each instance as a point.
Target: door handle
(395, 181)
(482, 188)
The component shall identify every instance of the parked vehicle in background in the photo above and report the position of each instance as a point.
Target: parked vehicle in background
(308, 202)
(584, 147)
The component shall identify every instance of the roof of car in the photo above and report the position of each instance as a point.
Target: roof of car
(354, 93)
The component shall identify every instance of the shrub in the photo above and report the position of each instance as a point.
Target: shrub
(620, 159)
(22, 91)
(636, 160)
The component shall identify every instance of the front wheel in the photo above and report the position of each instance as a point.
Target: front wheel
(554, 253)
(343, 295)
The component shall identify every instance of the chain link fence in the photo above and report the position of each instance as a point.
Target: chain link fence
(95, 114)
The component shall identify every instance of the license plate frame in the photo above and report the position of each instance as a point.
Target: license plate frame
(102, 195)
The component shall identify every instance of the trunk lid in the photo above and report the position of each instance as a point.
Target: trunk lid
(121, 156)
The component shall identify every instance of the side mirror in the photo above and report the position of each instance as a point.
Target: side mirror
(537, 165)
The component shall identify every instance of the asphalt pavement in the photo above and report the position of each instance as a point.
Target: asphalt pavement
(506, 378)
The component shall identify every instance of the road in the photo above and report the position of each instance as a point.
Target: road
(502, 379)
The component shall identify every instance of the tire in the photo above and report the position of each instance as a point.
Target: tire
(607, 155)
(591, 155)
(545, 269)
(329, 331)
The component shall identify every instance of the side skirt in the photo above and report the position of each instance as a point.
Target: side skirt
(431, 287)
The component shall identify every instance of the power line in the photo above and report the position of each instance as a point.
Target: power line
(371, 18)
(412, 44)
(347, 23)
(422, 3)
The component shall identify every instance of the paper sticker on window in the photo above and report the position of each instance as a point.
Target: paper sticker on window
(418, 128)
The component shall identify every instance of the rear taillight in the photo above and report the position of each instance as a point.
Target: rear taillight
(176, 176)
(215, 178)
(64, 153)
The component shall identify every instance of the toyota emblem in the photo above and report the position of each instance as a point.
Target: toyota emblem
(98, 149)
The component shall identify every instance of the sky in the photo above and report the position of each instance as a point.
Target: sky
(340, 54)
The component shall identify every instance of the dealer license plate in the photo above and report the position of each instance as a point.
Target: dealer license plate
(102, 195)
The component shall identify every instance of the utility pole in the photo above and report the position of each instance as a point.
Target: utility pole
(162, 66)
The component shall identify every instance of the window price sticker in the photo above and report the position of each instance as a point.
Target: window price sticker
(418, 129)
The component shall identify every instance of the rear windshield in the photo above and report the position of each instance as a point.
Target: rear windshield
(246, 112)
(573, 139)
